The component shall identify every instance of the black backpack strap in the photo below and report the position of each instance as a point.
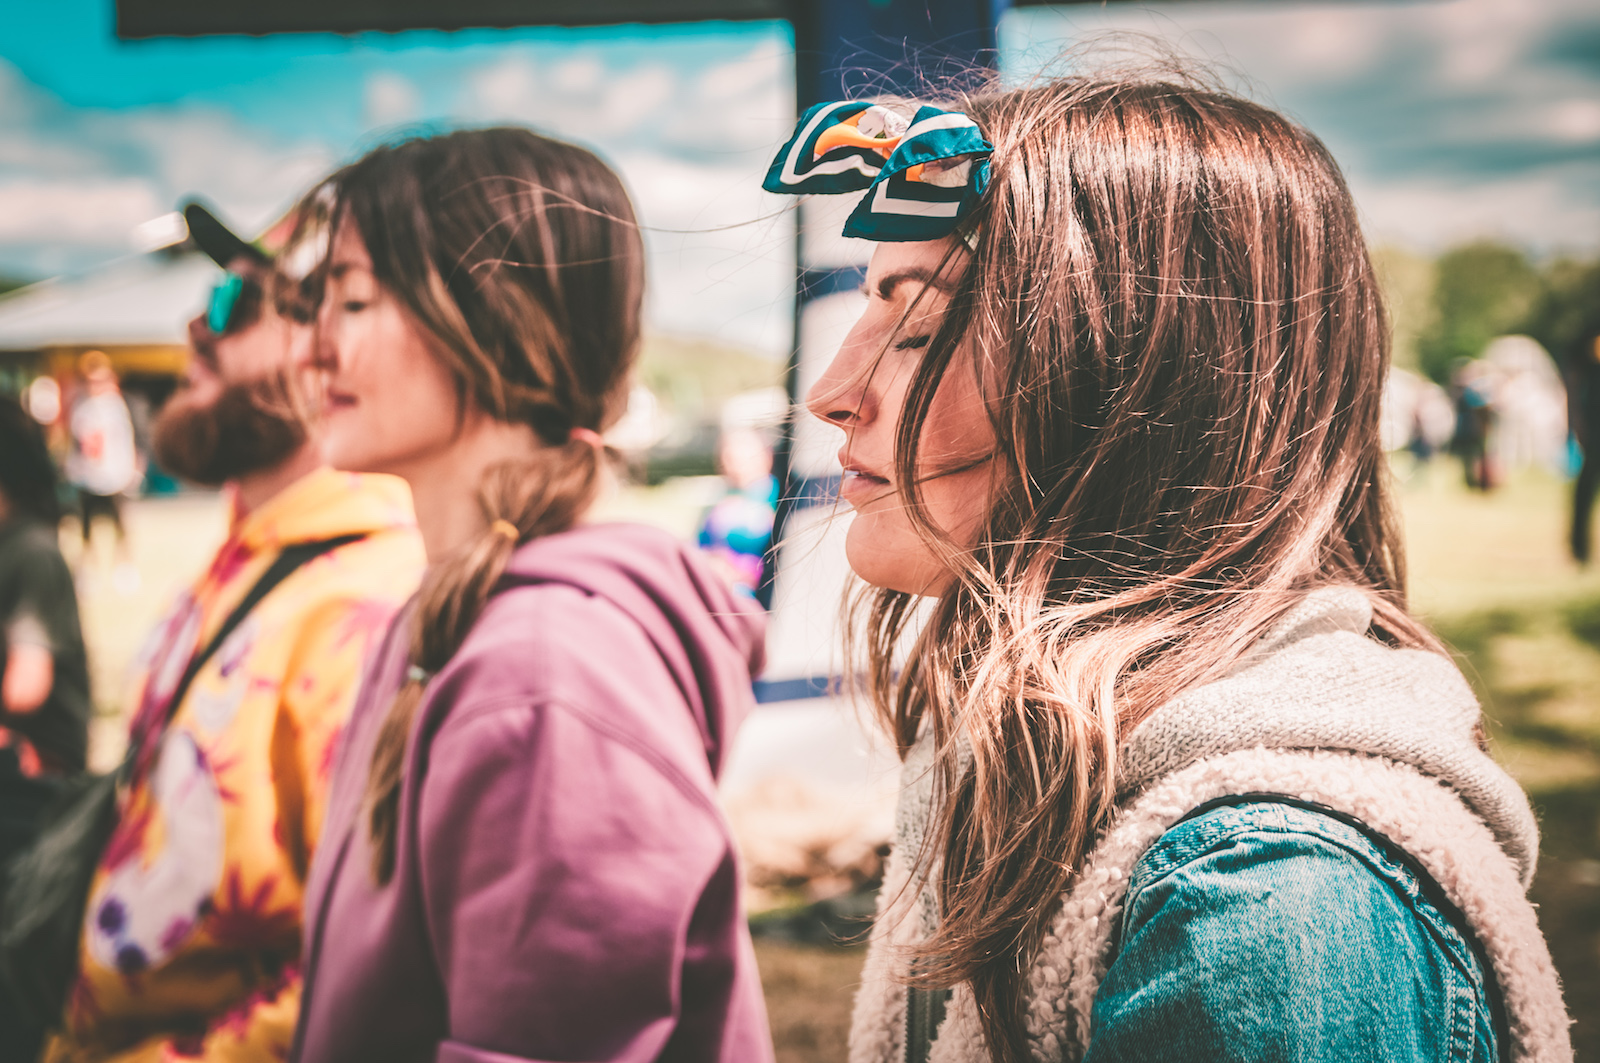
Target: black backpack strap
(291, 558)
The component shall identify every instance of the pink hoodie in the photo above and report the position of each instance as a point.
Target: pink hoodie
(565, 887)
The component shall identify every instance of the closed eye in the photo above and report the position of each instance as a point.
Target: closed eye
(912, 343)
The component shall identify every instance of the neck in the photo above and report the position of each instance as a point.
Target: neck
(257, 488)
(445, 485)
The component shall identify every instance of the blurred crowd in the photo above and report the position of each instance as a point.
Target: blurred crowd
(1515, 407)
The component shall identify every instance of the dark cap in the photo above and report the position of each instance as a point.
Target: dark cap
(216, 239)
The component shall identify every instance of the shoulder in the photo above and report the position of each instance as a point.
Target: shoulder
(1275, 852)
(388, 559)
(552, 650)
(375, 573)
(31, 551)
(339, 604)
(544, 631)
(30, 539)
(1279, 927)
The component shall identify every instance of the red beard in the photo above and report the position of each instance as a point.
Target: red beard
(250, 427)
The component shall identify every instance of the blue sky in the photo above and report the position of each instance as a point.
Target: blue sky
(97, 135)
(1452, 118)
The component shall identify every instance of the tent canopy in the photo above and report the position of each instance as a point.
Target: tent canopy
(144, 300)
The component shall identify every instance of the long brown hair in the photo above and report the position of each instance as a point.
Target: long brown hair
(1171, 292)
(521, 256)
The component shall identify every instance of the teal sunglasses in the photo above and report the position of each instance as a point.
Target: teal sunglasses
(223, 312)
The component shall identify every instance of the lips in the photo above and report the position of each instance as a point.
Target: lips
(858, 485)
(334, 400)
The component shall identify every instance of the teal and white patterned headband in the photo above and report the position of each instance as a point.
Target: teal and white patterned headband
(922, 177)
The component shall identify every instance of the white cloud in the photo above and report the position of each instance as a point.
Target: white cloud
(210, 154)
(629, 98)
(1479, 41)
(580, 74)
(1329, 42)
(1576, 120)
(1449, 118)
(74, 183)
(1432, 213)
(753, 73)
(390, 99)
(716, 266)
(508, 88)
(578, 99)
(20, 101)
(743, 105)
(95, 211)
(583, 99)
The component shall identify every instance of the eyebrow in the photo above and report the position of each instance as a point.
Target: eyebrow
(339, 269)
(890, 281)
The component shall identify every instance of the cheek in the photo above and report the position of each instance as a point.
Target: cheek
(254, 354)
(405, 406)
(958, 445)
(882, 545)
(957, 431)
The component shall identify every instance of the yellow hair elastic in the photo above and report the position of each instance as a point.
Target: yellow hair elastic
(506, 528)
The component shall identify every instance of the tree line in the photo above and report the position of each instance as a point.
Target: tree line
(1450, 307)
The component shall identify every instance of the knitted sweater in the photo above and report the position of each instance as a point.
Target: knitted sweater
(1316, 711)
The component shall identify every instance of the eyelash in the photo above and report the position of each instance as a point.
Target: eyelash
(912, 343)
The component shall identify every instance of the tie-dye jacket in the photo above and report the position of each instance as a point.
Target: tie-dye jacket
(191, 940)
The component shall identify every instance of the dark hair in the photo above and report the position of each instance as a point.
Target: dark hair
(521, 256)
(27, 475)
(1177, 331)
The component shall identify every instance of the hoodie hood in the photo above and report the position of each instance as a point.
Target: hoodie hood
(710, 638)
(1315, 681)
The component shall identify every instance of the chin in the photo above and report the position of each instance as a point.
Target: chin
(340, 455)
(892, 559)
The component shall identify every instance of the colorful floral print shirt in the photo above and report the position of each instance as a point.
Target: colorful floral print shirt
(191, 940)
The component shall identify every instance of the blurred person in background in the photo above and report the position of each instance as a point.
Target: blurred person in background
(524, 856)
(191, 937)
(104, 463)
(1472, 384)
(736, 531)
(1582, 365)
(44, 675)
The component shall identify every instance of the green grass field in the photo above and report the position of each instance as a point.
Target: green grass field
(1492, 577)
(1490, 574)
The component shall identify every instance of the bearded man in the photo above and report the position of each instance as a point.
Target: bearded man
(191, 937)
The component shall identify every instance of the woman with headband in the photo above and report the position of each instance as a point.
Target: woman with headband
(523, 857)
(1184, 779)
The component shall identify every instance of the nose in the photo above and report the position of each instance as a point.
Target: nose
(199, 332)
(314, 347)
(203, 342)
(842, 396)
(303, 346)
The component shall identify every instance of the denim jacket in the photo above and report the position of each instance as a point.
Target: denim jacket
(1273, 933)
(1378, 913)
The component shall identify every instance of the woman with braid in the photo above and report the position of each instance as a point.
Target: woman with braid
(523, 857)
